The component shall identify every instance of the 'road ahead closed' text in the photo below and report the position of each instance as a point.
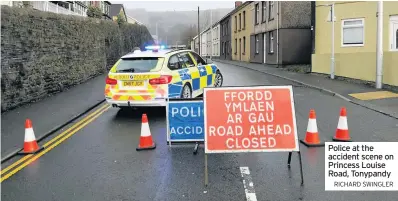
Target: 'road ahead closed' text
(250, 119)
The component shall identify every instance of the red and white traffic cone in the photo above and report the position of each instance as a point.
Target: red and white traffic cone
(342, 133)
(146, 141)
(312, 136)
(30, 145)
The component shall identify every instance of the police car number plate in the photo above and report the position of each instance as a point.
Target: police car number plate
(133, 83)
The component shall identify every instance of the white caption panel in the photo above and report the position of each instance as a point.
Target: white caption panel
(361, 166)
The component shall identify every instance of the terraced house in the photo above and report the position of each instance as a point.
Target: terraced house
(225, 37)
(282, 32)
(355, 40)
(241, 30)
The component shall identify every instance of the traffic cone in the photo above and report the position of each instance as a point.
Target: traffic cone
(312, 136)
(146, 141)
(30, 145)
(342, 133)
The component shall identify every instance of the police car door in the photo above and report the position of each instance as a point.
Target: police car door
(191, 71)
(177, 67)
(206, 73)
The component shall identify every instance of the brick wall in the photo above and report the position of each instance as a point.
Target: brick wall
(44, 53)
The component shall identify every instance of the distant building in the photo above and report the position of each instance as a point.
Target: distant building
(116, 11)
(225, 36)
(282, 32)
(203, 43)
(78, 8)
(241, 31)
(209, 48)
(216, 40)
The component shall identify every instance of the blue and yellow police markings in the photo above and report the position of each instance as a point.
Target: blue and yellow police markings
(203, 78)
(185, 121)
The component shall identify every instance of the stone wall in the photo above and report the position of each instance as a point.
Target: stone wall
(44, 53)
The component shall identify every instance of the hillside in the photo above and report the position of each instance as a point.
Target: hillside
(175, 26)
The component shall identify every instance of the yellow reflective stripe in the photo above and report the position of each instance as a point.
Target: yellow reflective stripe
(176, 77)
(138, 98)
(203, 82)
(194, 73)
(193, 58)
(113, 69)
(209, 70)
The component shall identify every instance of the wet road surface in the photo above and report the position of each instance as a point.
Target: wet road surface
(99, 162)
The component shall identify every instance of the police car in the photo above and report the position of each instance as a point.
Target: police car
(147, 78)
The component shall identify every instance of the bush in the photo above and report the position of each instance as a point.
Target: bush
(94, 12)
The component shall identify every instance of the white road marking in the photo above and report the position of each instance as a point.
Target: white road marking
(248, 184)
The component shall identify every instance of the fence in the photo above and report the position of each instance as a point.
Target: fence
(54, 8)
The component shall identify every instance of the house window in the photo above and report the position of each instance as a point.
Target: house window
(257, 14)
(271, 42)
(264, 10)
(236, 45)
(257, 44)
(394, 33)
(353, 32)
(244, 19)
(236, 23)
(240, 46)
(271, 10)
(240, 22)
(244, 44)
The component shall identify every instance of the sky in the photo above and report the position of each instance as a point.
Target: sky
(175, 5)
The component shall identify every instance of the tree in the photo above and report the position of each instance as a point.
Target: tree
(120, 19)
(94, 12)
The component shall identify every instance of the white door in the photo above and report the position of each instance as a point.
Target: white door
(265, 47)
(394, 33)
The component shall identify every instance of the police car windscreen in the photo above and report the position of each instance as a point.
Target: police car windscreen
(137, 65)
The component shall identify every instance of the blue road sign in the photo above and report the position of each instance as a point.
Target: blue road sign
(185, 121)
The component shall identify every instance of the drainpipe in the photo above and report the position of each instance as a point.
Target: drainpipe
(277, 33)
(332, 63)
(313, 22)
(379, 50)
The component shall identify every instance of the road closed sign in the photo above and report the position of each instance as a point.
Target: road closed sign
(250, 119)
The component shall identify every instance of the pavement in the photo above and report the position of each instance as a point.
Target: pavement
(342, 89)
(49, 113)
(97, 160)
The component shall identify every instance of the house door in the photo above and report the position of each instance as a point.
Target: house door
(225, 50)
(265, 47)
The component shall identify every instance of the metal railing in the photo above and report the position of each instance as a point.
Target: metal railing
(54, 8)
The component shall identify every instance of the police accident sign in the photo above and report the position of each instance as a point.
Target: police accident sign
(185, 121)
(250, 119)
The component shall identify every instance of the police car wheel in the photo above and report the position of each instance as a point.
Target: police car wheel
(186, 92)
(218, 79)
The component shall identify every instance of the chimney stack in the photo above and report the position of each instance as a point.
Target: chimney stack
(238, 3)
